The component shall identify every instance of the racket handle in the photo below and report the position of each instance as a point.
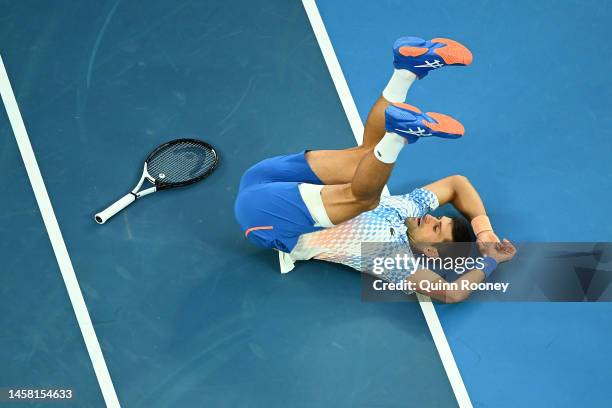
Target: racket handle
(113, 209)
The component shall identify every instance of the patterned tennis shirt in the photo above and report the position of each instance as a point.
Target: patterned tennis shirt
(384, 224)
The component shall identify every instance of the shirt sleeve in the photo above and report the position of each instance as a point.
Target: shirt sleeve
(416, 203)
(425, 200)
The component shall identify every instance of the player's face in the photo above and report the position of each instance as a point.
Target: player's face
(430, 229)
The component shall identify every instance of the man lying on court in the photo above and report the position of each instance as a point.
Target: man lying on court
(324, 204)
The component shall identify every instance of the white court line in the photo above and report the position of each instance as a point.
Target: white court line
(57, 241)
(431, 317)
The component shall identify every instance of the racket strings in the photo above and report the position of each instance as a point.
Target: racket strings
(181, 162)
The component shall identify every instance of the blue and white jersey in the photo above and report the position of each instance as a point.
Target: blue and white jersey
(384, 224)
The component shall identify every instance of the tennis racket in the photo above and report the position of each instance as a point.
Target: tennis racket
(176, 163)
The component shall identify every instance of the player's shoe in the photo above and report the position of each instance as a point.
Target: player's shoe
(408, 121)
(420, 56)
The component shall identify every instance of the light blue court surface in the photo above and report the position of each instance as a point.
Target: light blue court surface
(189, 314)
(536, 106)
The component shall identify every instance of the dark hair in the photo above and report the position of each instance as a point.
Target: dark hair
(463, 237)
(462, 241)
(461, 230)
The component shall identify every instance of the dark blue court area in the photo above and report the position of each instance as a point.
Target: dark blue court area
(187, 312)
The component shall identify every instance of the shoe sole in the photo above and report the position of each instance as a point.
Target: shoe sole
(453, 53)
(409, 51)
(445, 123)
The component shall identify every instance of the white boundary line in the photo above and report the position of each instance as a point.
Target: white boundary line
(57, 241)
(431, 317)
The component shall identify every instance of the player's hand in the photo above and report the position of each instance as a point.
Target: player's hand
(487, 236)
(500, 251)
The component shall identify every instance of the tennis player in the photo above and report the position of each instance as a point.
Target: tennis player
(324, 204)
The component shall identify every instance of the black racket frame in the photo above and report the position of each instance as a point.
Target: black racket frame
(161, 185)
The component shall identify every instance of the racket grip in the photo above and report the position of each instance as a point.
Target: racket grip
(114, 208)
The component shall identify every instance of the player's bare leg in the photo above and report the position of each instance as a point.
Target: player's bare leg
(345, 201)
(404, 124)
(355, 177)
(339, 166)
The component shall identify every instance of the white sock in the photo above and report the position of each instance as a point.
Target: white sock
(389, 147)
(397, 88)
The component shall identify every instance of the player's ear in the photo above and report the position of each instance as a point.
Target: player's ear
(430, 251)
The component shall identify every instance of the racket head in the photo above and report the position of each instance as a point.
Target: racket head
(181, 162)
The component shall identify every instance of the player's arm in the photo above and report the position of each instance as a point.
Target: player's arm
(440, 294)
(500, 252)
(458, 191)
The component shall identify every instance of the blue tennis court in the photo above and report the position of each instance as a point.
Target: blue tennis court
(186, 313)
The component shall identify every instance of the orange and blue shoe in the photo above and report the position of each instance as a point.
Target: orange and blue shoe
(408, 121)
(420, 56)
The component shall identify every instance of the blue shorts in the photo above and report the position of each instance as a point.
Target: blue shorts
(269, 206)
